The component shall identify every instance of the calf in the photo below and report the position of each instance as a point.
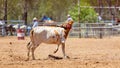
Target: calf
(49, 35)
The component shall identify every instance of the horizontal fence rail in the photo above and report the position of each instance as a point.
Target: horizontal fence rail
(94, 30)
(89, 30)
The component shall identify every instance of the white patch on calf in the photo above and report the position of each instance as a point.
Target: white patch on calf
(47, 34)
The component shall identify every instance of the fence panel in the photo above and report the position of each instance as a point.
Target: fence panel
(97, 30)
(0, 29)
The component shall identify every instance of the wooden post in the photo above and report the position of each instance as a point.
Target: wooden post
(79, 18)
(101, 31)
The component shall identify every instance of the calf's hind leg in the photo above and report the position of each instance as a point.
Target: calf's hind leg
(29, 47)
(57, 48)
(33, 49)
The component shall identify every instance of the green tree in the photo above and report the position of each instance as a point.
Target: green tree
(58, 9)
(86, 14)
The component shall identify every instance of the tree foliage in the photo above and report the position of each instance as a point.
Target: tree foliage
(86, 14)
(57, 9)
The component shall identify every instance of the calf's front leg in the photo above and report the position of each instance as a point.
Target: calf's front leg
(63, 50)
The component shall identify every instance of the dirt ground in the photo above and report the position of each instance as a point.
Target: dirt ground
(83, 53)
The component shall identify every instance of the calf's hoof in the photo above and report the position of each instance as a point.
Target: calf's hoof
(66, 57)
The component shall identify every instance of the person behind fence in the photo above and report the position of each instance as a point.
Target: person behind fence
(99, 18)
(35, 22)
(66, 24)
(2, 23)
(44, 18)
(28, 30)
(69, 18)
(48, 21)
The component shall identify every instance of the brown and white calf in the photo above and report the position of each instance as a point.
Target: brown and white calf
(49, 35)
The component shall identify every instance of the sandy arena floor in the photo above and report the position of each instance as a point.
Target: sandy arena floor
(83, 53)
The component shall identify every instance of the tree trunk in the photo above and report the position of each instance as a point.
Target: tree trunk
(25, 13)
(5, 11)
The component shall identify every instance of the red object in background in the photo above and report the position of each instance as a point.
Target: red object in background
(20, 34)
(118, 20)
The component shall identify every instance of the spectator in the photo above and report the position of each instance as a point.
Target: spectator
(35, 22)
(48, 21)
(2, 23)
(69, 18)
(99, 18)
(28, 30)
(44, 18)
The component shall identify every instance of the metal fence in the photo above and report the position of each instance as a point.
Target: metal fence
(94, 30)
(90, 30)
(0, 29)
